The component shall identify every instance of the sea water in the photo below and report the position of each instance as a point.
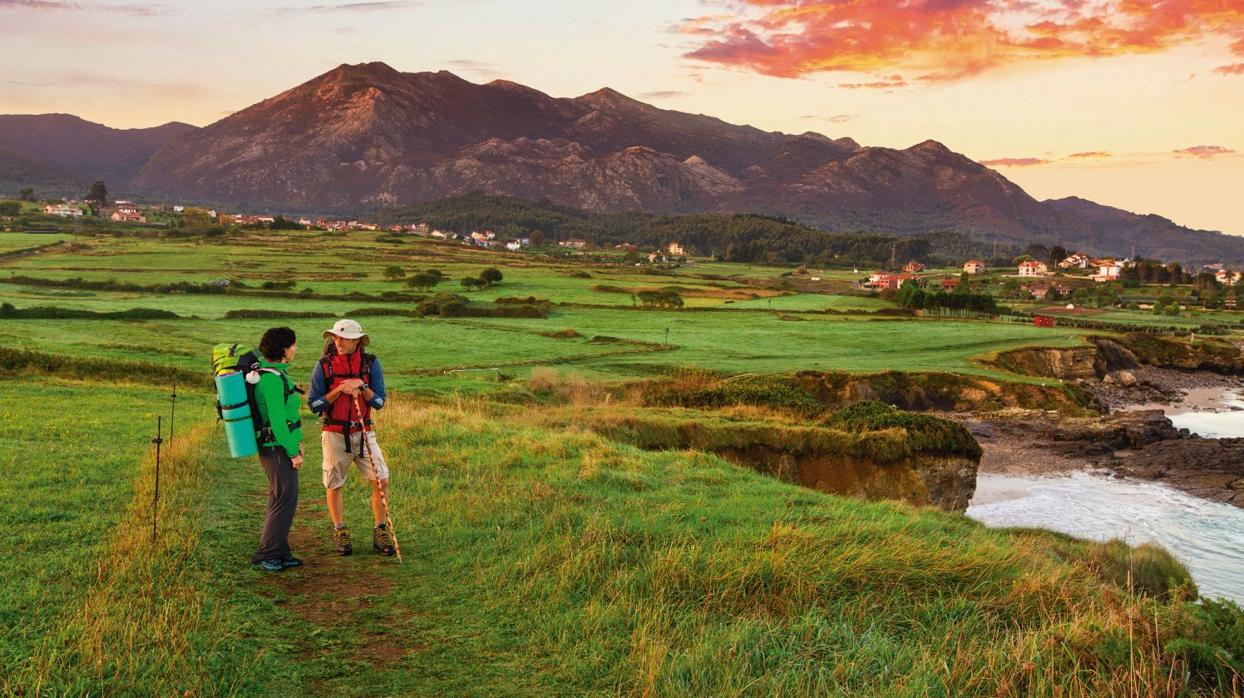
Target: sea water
(1207, 536)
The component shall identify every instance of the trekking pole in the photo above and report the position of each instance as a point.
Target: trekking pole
(155, 500)
(172, 416)
(384, 491)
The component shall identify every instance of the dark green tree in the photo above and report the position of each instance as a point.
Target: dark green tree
(394, 272)
(491, 275)
(97, 196)
(27, 194)
(423, 280)
(10, 208)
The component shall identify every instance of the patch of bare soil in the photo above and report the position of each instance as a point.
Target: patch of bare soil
(333, 592)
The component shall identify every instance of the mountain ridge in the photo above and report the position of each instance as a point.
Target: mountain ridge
(367, 135)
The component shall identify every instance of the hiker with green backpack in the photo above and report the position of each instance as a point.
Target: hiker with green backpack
(260, 405)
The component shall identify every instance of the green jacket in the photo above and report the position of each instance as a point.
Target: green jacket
(279, 408)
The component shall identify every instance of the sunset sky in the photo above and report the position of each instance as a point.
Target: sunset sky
(1132, 104)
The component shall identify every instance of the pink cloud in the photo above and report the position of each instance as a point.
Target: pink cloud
(1233, 69)
(941, 40)
(1014, 162)
(1205, 152)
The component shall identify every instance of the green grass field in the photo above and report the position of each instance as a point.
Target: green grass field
(539, 560)
(556, 563)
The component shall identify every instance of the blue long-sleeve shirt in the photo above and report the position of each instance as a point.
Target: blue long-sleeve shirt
(319, 388)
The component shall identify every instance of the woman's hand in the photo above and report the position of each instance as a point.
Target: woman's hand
(297, 461)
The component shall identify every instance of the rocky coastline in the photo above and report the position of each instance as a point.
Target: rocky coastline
(1132, 439)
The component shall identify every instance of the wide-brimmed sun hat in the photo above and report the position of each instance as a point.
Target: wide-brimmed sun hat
(348, 329)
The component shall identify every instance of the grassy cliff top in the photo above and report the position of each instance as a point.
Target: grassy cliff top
(558, 562)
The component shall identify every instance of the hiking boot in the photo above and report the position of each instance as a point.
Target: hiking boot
(382, 540)
(290, 561)
(273, 565)
(341, 538)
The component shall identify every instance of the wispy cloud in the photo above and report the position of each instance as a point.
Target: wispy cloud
(1091, 154)
(1205, 152)
(356, 7)
(834, 119)
(1233, 69)
(943, 40)
(468, 64)
(663, 94)
(82, 79)
(1014, 162)
(131, 9)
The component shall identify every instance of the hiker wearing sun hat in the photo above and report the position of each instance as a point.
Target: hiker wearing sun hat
(346, 385)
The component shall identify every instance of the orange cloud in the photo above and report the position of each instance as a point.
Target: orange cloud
(1205, 152)
(1091, 154)
(1014, 162)
(1234, 69)
(890, 82)
(939, 40)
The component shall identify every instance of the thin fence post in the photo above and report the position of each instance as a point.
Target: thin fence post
(172, 416)
(155, 500)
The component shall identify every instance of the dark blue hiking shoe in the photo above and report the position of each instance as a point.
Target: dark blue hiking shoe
(290, 561)
(275, 565)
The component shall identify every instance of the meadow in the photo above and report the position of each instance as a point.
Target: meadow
(538, 560)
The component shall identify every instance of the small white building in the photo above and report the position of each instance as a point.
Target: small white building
(63, 210)
(676, 250)
(1107, 270)
(974, 266)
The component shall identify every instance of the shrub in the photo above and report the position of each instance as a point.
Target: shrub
(925, 433)
(49, 312)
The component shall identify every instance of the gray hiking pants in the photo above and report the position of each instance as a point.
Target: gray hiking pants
(282, 501)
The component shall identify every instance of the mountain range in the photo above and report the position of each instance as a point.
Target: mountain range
(367, 136)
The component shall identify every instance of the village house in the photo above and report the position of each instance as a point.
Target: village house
(1042, 291)
(626, 247)
(63, 210)
(676, 250)
(913, 267)
(1226, 277)
(657, 258)
(573, 243)
(882, 280)
(1107, 270)
(1079, 260)
(126, 212)
(514, 245)
(1032, 268)
(950, 283)
(974, 266)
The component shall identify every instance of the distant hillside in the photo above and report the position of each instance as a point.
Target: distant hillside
(735, 237)
(61, 154)
(364, 136)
